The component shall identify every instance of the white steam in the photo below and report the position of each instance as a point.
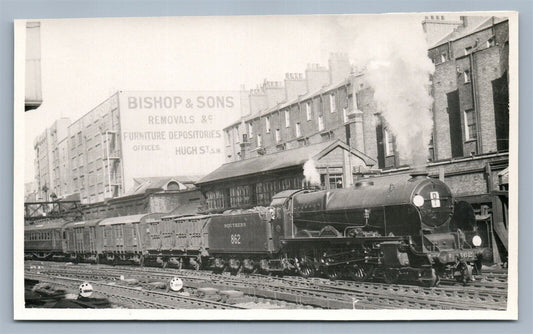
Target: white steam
(312, 177)
(393, 51)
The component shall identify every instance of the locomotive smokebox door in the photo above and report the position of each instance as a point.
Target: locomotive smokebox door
(392, 256)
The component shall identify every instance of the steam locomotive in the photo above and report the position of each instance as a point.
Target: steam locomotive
(393, 228)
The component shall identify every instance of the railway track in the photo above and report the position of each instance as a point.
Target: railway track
(315, 292)
(132, 296)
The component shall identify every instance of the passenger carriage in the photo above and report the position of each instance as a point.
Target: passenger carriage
(43, 241)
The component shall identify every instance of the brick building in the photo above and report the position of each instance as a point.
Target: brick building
(470, 111)
(470, 88)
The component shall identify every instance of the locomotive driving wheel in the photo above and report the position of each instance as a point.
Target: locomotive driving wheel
(463, 273)
(358, 273)
(306, 270)
(333, 273)
(391, 276)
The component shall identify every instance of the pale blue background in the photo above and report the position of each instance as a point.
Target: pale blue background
(25, 9)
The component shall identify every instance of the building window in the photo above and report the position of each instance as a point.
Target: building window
(308, 111)
(389, 143)
(466, 76)
(335, 181)
(332, 104)
(287, 119)
(259, 141)
(278, 137)
(491, 42)
(443, 57)
(470, 124)
(431, 149)
(467, 50)
(250, 130)
(320, 123)
(267, 125)
(298, 130)
(239, 195)
(215, 199)
(345, 115)
(227, 137)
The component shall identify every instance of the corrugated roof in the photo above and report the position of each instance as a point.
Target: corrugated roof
(278, 160)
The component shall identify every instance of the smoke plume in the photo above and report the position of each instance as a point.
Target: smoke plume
(393, 52)
(312, 177)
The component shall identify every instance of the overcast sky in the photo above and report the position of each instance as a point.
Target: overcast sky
(84, 61)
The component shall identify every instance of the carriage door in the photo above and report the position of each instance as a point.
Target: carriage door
(119, 234)
(78, 239)
(92, 239)
(130, 240)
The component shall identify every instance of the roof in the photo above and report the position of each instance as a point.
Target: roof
(46, 225)
(91, 222)
(122, 220)
(142, 184)
(461, 32)
(284, 104)
(279, 160)
(188, 209)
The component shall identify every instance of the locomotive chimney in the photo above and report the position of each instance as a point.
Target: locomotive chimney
(419, 172)
(364, 183)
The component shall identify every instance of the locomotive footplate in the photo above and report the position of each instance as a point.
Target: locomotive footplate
(467, 255)
(346, 241)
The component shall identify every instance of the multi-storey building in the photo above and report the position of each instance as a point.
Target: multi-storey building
(47, 162)
(470, 89)
(95, 153)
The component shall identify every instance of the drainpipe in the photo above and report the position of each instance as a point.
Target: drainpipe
(475, 103)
